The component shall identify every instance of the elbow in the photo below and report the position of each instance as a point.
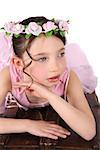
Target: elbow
(90, 137)
(90, 134)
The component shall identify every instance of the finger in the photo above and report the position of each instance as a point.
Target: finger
(62, 132)
(22, 90)
(49, 135)
(60, 129)
(55, 132)
(41, 89)
(21, 84)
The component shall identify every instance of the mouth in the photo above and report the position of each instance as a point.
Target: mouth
(54, 78)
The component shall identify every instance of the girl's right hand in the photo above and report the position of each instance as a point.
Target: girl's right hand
(46, 129)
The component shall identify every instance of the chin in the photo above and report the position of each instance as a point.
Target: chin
(48, 84)
(52, 84)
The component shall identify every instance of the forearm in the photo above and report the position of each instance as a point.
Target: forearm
(9, 125)
(79, 121)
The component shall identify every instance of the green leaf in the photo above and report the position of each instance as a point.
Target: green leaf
(53, 19)
(8, 34)
(56, 31)
(27, 36)
(49, 33)
(25, 26)
(2, 28)
(62, 33)
(16, 35)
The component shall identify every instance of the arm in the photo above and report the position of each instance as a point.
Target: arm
(38, 128)
(9, 125)
(76, 112)
(5, 84)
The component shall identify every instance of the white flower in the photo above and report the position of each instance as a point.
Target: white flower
(33, 28)
(49, 26)
(63, 25)
(13, 28)
(17, 28)
(8, 27)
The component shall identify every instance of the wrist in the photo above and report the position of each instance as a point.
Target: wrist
(28, 125)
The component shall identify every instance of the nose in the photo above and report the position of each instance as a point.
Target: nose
(53, 66)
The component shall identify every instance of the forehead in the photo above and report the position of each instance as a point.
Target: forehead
(45, 44)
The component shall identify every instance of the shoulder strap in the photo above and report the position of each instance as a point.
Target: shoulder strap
(66, 85)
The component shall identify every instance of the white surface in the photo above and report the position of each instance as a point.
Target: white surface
(84, 21)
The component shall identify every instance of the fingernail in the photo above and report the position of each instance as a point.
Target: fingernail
(56, 138)
(64, 136)
(68, 133)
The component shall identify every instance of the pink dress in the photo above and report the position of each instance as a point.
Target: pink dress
(21, 99)
(76, 60)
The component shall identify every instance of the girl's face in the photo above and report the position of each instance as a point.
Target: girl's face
(50, 62)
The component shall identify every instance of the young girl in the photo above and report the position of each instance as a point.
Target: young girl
(38, 75)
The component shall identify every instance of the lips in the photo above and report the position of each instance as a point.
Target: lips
(54, 78)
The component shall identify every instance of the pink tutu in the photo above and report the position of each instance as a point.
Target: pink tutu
(77, 61)
(6, 50)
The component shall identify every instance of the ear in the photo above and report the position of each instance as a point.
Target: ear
(18, 62)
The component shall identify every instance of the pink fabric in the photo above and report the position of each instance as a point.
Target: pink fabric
(21, 97)
(77, 61)
(6, 50)
(59, 88)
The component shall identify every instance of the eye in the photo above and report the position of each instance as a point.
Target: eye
(43, 59)
(61, 54)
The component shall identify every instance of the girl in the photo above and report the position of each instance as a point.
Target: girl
(38, 75)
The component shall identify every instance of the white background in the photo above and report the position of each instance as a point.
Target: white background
(84, 22)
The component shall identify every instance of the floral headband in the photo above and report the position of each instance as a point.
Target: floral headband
(33, 28)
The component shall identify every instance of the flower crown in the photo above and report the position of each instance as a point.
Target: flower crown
(33, 28)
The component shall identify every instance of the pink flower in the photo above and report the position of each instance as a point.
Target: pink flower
(8, 27)
(17, 28)
(49, 26)
(13, 28)
(63, 25)
(33, 28)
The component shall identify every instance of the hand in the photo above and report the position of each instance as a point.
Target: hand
(46, 129)
(41, 90)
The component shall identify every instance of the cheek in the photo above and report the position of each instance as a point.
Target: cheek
(63, 64)
(39, 72)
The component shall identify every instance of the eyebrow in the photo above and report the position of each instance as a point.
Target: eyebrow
(48, 53)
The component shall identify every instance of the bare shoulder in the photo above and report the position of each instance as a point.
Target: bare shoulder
(74, 82)
(5, 77)
(5, 82)
(75, 90)
(5, 73)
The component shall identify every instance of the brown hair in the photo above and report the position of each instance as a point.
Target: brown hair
(21, 44)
